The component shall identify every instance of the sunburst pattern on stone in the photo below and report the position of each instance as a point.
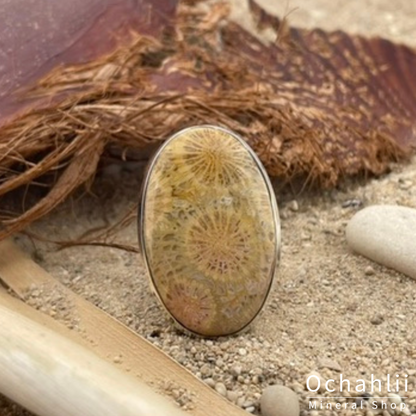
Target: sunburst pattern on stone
(214, 157)
(210, 233)
(190, 302)
(219, 243)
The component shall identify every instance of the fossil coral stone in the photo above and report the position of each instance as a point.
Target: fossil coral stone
(209, 230)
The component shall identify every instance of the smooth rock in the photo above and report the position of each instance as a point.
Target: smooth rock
(314, 382)
(369, 271)
(385, 234)
(377, 319)
(395, 398)
(232, 396)
(279, 401)
(242, 352)
(330, 364)
(221, 389)
(236, 370)
(209, 382)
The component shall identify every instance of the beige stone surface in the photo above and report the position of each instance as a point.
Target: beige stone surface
(385, 234)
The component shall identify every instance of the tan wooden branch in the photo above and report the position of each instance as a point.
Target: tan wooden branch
(53, 376)
(104, 335)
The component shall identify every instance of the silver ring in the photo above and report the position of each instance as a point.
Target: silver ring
(209, 230)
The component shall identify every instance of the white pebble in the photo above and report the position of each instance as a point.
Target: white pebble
(242, 351)
(236, 370)
(369, 271)
(209, 382)
(232, 396)
(314, 382)
(241, 401)
(387, 235)
(293, 205)
(279, 401)
(221, 389)
(395, 398)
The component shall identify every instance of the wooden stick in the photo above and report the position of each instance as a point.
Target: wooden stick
(53, 376)
(109, 338)
(9, 301)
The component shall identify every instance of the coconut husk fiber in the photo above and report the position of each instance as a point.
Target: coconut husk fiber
(314, 105)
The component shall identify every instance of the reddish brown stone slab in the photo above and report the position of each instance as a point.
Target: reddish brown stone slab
(38, 35)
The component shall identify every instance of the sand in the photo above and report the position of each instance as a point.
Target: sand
(330, 311)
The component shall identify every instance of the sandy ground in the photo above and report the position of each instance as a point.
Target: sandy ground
(331, 310)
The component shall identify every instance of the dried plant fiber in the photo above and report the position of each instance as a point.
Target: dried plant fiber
(314, 105)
